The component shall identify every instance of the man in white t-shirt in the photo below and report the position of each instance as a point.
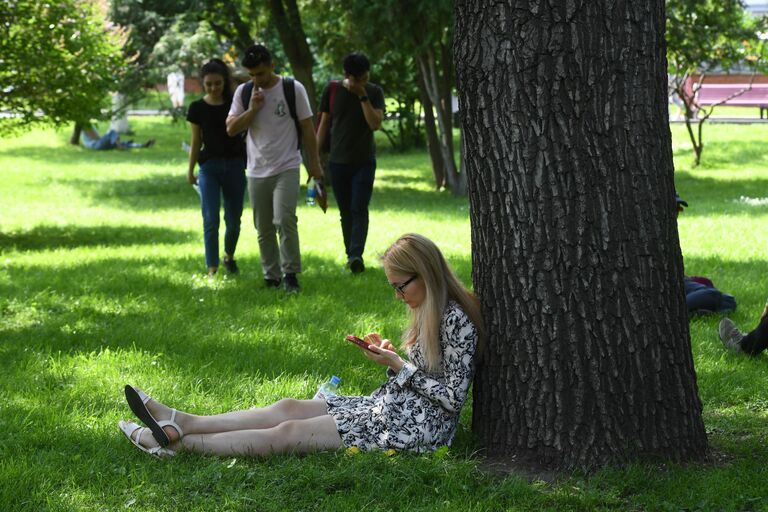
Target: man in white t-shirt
(272, 144)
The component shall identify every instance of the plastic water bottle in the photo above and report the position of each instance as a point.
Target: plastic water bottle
(311, 192)
(327, 389)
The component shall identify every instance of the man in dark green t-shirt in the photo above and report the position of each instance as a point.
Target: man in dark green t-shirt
(350, 111)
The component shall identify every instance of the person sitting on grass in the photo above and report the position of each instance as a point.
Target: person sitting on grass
(701, 296)
(110, 140)
(417, 409)
(752, 343)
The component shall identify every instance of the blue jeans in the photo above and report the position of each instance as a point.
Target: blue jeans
(221, 177)
(353, 186)
(704, 299)
(106, 141)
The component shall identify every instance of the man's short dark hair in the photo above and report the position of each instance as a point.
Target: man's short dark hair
(255, 55)
(356, 64)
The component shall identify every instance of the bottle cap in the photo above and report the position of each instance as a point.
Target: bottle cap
(335, 380)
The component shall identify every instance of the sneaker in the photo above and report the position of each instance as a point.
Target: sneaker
(291, 284)
(730, 335)
(272, 283)
(356, 265)
(231, 266)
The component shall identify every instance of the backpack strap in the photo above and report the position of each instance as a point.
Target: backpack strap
(289, 90)
(245, 94)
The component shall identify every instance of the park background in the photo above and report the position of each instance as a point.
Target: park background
(102, 283)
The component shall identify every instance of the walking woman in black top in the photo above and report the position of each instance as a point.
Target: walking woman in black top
(222, 165)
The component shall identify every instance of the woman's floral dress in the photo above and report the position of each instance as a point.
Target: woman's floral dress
(414, 410)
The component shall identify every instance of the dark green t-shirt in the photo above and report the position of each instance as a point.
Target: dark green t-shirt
(351, 137)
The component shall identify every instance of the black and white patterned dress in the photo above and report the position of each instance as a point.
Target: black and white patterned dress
(414, 410)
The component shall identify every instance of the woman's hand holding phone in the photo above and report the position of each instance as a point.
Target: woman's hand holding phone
(379, 350)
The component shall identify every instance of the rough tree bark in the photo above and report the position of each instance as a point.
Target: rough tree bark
(574, 239)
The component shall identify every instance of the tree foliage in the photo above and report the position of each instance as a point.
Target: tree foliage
(145, 22)
(706, 36)
(411, 41)
(58, 60)
(334, 34)
(185, 46)
(275, 23)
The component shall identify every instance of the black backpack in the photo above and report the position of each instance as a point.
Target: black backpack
(289, 90)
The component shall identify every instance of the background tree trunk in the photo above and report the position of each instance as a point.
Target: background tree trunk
(574, 237)
(294, 41)
(74, 139)
(433, 142)
(433, 85)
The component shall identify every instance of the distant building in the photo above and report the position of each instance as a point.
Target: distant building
(757, 7)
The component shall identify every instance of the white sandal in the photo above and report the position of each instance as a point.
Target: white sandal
(129, 428)
(137, 401)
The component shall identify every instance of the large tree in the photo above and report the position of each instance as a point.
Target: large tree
(574, 238)
(59, 60)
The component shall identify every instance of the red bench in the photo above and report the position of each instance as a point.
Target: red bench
(733, 93)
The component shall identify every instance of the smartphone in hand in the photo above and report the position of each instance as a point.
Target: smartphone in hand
(357, 341)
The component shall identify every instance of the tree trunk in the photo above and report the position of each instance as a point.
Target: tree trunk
(433, 142)
(74, 139)
(431, 80)
(294, 41)
(575, 248)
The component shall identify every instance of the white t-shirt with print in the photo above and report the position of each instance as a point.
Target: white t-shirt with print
(272, 140)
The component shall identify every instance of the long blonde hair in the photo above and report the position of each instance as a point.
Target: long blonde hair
(414, 254)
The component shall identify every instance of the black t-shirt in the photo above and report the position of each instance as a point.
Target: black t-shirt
(351, 137)
(212, 120)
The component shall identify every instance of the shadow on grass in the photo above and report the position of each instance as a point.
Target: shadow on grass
(69, 237)
(170, 192)
(116, 304)
(151, 193)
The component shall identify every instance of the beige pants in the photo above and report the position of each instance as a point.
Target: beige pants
(273, 201)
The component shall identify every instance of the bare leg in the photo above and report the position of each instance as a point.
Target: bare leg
(251, 419)
(292, 436)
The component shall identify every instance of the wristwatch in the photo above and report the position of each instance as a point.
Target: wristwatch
(363, 99)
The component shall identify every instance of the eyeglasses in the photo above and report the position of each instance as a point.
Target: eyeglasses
(400, 288)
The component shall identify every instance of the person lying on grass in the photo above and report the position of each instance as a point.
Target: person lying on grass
(417, 409)
(752, 343)
(110, 140)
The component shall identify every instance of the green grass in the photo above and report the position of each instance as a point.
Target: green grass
(101, 283)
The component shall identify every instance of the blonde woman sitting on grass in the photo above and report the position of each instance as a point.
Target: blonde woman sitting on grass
(417, 409)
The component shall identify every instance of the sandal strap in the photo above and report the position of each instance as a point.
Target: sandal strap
(172, 423)
(132, 428)
(144, 397)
